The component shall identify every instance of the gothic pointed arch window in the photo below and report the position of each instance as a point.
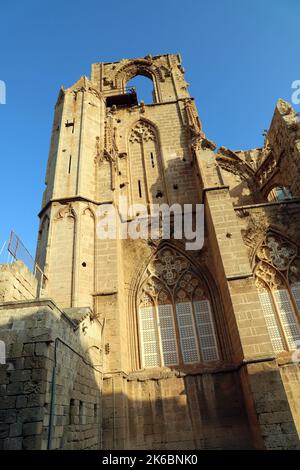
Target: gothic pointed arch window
(146, 168)
(176, 324)
(277, 274)
(280, 193)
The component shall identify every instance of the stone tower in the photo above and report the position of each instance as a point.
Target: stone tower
(141, 343)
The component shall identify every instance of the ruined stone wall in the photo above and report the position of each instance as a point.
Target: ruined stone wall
(29, 390)
(252, 174)
(165, 71)
(281, 167)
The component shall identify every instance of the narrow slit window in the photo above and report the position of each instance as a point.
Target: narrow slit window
(70, 164)
(152, 160)
(140, 188)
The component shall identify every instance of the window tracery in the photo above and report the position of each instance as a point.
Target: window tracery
(175, 317)
(278, 281)
(142, 131)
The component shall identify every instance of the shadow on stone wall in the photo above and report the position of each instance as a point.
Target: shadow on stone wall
(161, 411)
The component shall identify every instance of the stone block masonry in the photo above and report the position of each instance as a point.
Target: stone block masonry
(142, 344)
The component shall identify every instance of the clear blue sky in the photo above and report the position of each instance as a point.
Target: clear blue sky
(240, 56)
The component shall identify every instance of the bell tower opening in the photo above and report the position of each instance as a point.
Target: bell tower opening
(143, 87)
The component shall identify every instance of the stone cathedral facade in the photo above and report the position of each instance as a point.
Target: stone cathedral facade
(140, 343)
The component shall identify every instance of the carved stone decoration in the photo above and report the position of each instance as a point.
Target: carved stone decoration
(110, 148)
(260, 284)
(163, 73)
(88, 211)
(145, 300)
(99, 156)
(134, 66)
(142, 131)
(277, 263)
(94, 92)
(110, 145)
(146, 67)
(64, 212)
(107, 82)
(198, 140)
(267, 168)
(256, 231)
(170, 276)
(153, 286)
(284, 107)
(277, 251)
(164, 297)
(193, 120)
(188, 288)
(232, 163)
(269, 275)
(181, 295)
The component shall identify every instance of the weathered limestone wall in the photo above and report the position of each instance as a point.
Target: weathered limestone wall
(266, 400)
(166, 411)
(273, 407)
(59, 363)
(252, 174)
(290, 374)
(17, 282)
(179, 183)
(234, 276)
(281, 168)
(255, 220)
(29, 390)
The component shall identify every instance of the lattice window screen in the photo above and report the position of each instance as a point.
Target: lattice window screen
(188, 340)
(270, 317)
(287, 317)
(167, 334)
(295, 288)
(149, 340)
(206, 330)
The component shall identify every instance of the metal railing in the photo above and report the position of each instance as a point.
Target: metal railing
(18, 251)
